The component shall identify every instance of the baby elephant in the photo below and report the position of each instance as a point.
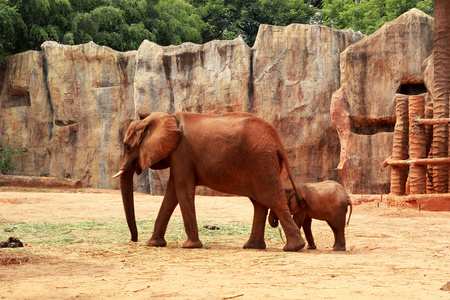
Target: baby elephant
(326, 201)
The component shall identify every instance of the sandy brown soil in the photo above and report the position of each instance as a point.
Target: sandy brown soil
(391, 254)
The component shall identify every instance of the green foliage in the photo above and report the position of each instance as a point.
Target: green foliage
(367, 15)
(285, 12)
(427, 6)
(103, 25)
(124, 24)
(6, 159)
(42, 20)
(10, 23)
(174, 22)
(88, 5)
(228, 19)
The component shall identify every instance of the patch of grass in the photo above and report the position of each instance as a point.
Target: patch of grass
(103, 232)
(12, 259)
(54, 234)
(38, 190)
(234, 229)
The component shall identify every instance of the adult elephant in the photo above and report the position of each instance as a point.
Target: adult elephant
(236, 153)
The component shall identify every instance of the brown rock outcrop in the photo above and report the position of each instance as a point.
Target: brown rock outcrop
(91, 91)
(25, 112)
(42, 182)
(68, 106)
(363, 109)
(295, 73)
(210, 78)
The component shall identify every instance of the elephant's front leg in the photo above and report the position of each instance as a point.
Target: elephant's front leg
(256, 240)
(308, 233)
(168, 205)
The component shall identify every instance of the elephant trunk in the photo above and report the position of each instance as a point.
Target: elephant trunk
(273, 220)
(126, 188)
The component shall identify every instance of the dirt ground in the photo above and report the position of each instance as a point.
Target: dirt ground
(391, 254)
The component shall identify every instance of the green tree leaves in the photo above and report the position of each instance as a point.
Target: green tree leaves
(228, 19)
(367, 15)
(174, 22)
(6, 154)
(10, 24)
(105, 25)
(124, 24)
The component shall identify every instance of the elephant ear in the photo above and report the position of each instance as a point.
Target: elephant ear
(305, 193)
(293, 204)
(297, 204)
(159, 139)
(142, 116)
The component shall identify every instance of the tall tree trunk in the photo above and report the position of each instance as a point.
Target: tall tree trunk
(441, 87)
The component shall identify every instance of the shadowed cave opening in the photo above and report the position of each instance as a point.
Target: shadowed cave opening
(365, 126)
(17, 96)
(65, 122)
(412, 89)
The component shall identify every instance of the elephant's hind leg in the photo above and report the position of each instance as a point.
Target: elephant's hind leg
(339, 237)
(294, 240)
(256, 240)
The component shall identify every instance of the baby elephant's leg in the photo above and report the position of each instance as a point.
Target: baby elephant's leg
(308, 233)
(339, 236)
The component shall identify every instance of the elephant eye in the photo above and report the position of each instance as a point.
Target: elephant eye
(126, 148)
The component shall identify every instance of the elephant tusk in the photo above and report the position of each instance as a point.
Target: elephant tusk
(118, 174)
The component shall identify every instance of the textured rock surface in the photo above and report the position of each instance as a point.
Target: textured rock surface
(211, 78)
(363, 109)
(295, 73)
(68, 106)
(91, 90)
(26, 113)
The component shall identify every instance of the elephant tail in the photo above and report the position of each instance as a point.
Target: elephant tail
(301, 202)
(350, 203)
(273, 220)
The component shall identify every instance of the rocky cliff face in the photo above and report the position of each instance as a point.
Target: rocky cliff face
(68, 106)
(91, 93)
(294, 76)
(26, 119)
(212, 78)
(373, 71)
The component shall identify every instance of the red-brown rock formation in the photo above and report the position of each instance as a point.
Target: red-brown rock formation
(67, 107)
(372, 72)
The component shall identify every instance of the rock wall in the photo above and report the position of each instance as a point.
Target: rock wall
(294, 76)
(373, 71)
(212, 78)
(26, 117)
(91, 92)
(68, 107)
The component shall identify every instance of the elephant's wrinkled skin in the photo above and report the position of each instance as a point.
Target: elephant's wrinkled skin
(325, 201)
(236, 153)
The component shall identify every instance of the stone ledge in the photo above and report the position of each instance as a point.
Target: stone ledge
(43, 182)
